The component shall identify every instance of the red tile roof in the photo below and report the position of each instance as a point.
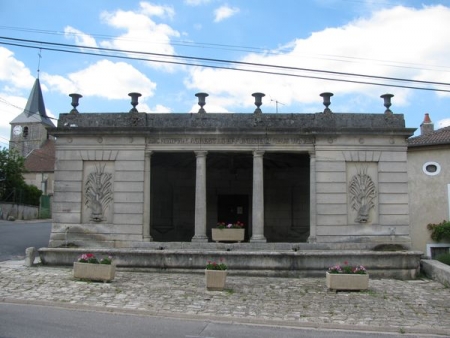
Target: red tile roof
(42, 159)
(437, 137)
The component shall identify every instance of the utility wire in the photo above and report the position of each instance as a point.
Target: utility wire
(221, 61)
(39, 45)
(208, 45)
(2, 100)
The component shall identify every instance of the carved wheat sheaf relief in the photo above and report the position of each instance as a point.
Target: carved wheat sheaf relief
(362, 194)
(98, 192)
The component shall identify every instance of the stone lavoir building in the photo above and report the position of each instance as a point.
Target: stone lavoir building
(136, 181)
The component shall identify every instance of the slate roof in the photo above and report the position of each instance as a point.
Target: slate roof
(35, 109)
(437, 137)
(42, 159)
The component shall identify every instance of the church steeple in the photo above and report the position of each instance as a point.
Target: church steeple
(28, 129)
(34, 111)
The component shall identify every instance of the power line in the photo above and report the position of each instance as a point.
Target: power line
(237, 48)
(220, 61)
(39, 45)
(2, 100)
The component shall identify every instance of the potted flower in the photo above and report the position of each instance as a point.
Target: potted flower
(91, 268)
(228, 232)
(347, 277)
(215, 274)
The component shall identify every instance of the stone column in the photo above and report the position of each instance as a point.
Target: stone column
(200, 198)
(147, 179)
(312, 199)
(258, 198)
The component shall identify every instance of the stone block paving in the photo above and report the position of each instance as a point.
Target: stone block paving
(414, 306)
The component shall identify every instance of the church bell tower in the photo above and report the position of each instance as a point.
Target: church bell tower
(28, 130)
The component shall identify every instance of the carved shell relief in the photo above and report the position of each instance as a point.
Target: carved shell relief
(98, 193)
(362, 193)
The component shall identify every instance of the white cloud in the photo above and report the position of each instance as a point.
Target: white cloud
(16, 82)
(80, 38)
(155, 10)
(399, 42)
(443, 123)
(159, 108)
(10, 106)
(104, 79)
(142, 32)
(14, 72)
(196, 2)
(224, 12)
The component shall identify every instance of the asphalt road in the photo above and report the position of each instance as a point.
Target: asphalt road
(16, 236)
(23, 320)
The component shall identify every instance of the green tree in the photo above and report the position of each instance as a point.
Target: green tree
(11, 170)
(12, 184)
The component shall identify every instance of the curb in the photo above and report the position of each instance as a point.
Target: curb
(428, 330)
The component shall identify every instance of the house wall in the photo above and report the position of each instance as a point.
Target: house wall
(428, 194)
(36, 179)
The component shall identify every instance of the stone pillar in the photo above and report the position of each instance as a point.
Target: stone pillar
(312, 199)
(258, 198)
(147, 179)
(30, 255)
(200, 198)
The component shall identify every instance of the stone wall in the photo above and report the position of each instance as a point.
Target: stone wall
(18, 211)
(382, 160)
(121, 217)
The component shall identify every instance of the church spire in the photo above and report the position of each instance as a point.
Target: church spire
(35, 104)
(34, 111)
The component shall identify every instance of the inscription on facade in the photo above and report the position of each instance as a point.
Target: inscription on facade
(228, 140)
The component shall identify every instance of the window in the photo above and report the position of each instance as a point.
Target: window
(431, 168)
(435, 249)
(25, 132)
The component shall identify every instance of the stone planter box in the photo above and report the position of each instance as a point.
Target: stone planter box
(228, 235)
(342, 281)
(94, 272)
(215, 279)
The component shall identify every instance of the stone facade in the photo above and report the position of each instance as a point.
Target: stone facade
(126, 179)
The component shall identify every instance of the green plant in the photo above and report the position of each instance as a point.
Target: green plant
(90, 258)
(347, 269)
(211, 265)
(237, 225)
(444, 258)
(439, 231)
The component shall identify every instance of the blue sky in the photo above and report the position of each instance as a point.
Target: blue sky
(395, 39)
